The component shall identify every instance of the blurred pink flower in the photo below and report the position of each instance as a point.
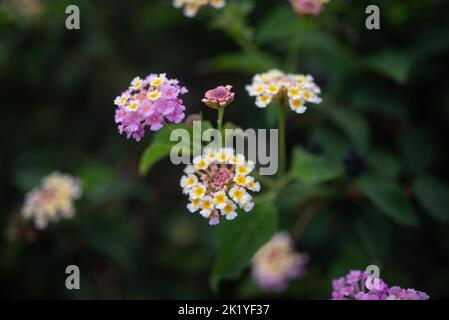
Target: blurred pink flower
(277, 263)
(307, 7)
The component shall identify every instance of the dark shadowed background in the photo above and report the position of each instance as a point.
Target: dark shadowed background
(385, 96)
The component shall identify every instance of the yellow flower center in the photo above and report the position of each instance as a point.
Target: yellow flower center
(154, 95)
(223, 157)
(242, 169)
(241, 180)
(202, 164)
(238, 194)
(157, 82)
(265, 98)
(259, 89)
(273, 89)
(207, 205)
(308, 95)
(199, 192)
(123, 100)
(133, 106)
(137, 84)
(220, 198)
(294, 92)
(296, 104)
(228, 208)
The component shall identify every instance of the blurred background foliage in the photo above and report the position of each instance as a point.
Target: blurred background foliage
(369, 164)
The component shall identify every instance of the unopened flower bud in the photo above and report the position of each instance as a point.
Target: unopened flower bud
(219, 97)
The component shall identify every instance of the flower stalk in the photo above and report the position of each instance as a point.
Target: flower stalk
(282, 139)
(220, 119)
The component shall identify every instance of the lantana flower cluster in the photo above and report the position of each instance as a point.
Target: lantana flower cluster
(218, 184)
(308, 7)
(275, 85)
(148, 103)
(191, 7)
(353, 286)
(277, 263)
(52, 200)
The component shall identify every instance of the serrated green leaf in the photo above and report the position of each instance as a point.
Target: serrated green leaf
(311, 169)
(239, 240)
(389, 198)
(433, 194)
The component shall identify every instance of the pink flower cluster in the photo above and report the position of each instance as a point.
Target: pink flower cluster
(148, 103)
(359, 285)
(307, 7)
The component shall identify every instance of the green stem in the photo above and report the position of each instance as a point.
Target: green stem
(220, 118)
(282, 147)
(307, 215)
(246, 45)
(220, 125)
(292, 58)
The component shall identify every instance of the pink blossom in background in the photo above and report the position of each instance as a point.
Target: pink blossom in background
(277, 263)
(307, 7)
(52, 200)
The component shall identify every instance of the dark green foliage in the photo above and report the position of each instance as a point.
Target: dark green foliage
(385, 94)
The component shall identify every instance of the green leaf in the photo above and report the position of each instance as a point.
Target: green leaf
(103, 184)
(389, 198)
(393, 64)
(153, 154)
(161, 145)
(433, 194)
(418, 150)
(367, 98)
(335, 145)
(354, 126)
(385, 163)
(281, 24)
(232, 19)
(239, 240)
(311, 169)
(376, 244)
(112, 235)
